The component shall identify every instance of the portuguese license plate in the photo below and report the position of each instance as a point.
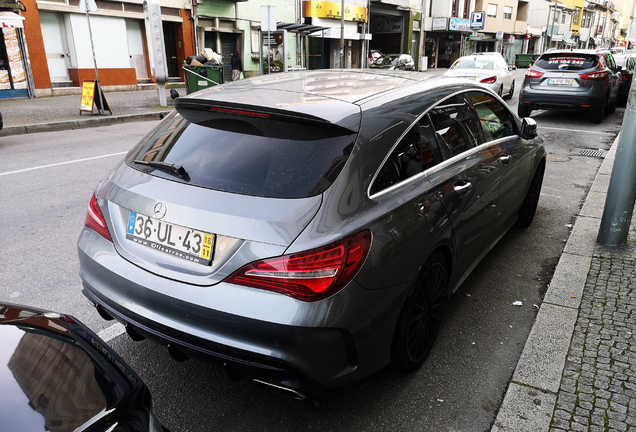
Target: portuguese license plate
(467, 77)
(181, 242)
(560, 81)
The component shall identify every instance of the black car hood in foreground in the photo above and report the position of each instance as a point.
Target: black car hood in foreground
(56, 375)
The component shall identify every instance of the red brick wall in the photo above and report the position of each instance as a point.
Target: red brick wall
(35, 45)
(107, 77)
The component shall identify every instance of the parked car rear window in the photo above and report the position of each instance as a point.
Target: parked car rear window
(556, 61)
(248, 156)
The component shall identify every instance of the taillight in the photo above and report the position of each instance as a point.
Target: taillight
(311, 275)
(627, 76)
(491, 80)
(531, 73)
(95, 220)
(596, 76)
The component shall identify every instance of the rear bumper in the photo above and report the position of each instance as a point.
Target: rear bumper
(259, 334)
(580, 102)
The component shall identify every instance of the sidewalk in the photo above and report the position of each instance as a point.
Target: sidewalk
(55, 113)
(577, 371)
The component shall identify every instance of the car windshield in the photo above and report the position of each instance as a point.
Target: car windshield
(386, 60)
(473, 63)
(245, 155)
(567, 61)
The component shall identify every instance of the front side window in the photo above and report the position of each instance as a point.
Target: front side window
(495, 119)
(456, 125)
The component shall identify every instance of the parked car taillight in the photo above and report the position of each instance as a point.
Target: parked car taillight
(531, 73)
(597, 76)
(95, 220)
(311, 275)
(627, 76)
(490, 80)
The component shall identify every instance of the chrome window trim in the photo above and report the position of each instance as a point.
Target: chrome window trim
(447, 162)
(407, 130)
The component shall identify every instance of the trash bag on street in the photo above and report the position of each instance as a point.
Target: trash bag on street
(200, 59)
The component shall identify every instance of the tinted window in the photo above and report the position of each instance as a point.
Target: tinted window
(494, 118)
(567, 61)
(455, 124)
(417, 151)
(474, 63)
(247, 155)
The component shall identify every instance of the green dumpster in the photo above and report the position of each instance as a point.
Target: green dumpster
(202, 77)
(524, 60)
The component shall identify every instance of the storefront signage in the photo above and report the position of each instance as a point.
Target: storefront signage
(88, 98)
(326, 9)
(458, 24)
(386, 24)
(440, 24)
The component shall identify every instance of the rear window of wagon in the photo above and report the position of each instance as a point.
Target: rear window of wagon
(247, 156)
(573, 61)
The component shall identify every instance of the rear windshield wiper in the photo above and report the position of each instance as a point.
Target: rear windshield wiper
(165, 166)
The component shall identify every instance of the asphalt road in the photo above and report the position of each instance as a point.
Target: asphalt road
(46, 181)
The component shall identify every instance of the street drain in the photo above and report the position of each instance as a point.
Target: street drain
(590, 152)
(551, 157)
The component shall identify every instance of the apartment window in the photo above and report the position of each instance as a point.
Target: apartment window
(492, 10)
(576, 16)
(563, 17)
(507, 12)
(587, 21)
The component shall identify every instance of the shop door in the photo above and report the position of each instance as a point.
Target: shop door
(136, 49)
(171, 49)
(55, 45)
(228, 46)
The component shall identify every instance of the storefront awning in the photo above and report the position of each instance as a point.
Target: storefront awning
(568, 41)
(300, 28)
(11, 20)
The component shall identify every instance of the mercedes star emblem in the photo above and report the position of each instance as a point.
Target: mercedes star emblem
(160, 210)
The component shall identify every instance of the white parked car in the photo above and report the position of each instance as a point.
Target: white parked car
(489, 69)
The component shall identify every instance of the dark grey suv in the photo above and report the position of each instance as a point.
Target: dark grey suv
(305, 229)
(580, 80)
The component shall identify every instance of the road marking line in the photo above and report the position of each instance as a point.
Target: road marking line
(61, 163)
(574, 130)
(110, 333)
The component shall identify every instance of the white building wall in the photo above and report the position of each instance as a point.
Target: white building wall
(109, 37)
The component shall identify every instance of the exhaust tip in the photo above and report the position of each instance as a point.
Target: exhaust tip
(281, 390)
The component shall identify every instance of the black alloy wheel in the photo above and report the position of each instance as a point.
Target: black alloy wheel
(421, 315)
(500, 91)
(511, 93)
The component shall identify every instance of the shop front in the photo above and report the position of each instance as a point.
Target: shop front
(447, 41)
(15, 72)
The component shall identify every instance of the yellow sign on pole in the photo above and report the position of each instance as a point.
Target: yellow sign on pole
(88, 96)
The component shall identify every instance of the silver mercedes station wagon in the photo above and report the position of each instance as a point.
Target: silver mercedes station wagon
(305, 229)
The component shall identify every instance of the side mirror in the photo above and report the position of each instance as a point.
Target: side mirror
(528, 128)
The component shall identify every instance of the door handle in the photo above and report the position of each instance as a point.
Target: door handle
(505, 159)
(462, 187)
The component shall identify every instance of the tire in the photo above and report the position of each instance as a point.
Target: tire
(523, 111)
(500, 91)
(421, 315)
(611, 109)
(511, 93)
(621, 101)
(596, 116)
(529, 206)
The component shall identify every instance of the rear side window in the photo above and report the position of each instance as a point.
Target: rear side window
(495, 119)
(567, 61)
(456, 126)
(246, 155)
(417, 151)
